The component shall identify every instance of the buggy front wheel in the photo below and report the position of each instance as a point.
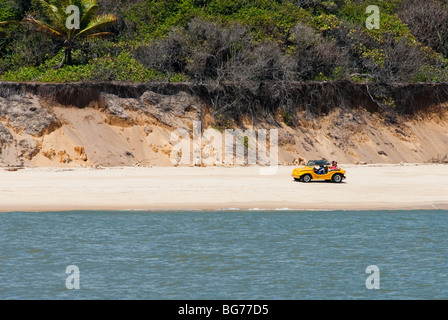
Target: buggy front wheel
(337, 178)
(305, 178)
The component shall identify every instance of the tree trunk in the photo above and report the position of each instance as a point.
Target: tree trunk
(68, 51)
(67, 60)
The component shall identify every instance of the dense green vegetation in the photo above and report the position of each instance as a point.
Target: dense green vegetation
(235, 40)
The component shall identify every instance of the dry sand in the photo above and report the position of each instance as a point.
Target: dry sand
(166, 188)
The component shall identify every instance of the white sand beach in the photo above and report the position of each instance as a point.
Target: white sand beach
(409, 186)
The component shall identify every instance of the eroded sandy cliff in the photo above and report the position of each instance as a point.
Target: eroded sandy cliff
(126, 125)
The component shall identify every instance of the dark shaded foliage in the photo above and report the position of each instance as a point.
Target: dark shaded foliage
(428, 21)
(202, 50)
(315, 55)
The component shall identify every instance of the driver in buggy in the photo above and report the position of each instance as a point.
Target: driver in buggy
(321, 170)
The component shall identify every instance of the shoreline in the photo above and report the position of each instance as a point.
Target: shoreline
(443, 207)
(167, 208)
(368, 187)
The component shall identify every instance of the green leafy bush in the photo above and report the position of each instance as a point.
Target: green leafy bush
(120, 68)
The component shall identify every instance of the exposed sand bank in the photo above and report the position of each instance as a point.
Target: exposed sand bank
(165, 188)
(69, 125)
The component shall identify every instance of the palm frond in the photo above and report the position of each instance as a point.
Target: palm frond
(43, 27)
(97, 23)
(52, 12)
(99, 34)
(55, 14)
(8, 23)
(88, 14)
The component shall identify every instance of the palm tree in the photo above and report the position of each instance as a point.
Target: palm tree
(90, 24)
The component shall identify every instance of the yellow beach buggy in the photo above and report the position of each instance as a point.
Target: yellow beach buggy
(311, 172)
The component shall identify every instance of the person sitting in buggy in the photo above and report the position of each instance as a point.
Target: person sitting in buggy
(334, 166)
(321, 170)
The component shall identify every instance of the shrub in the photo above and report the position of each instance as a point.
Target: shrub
(259, 62)
(120, 68)
(200, 51)
(428, 21)
(315, 55)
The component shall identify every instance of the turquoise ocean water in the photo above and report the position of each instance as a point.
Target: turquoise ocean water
(224, 254)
